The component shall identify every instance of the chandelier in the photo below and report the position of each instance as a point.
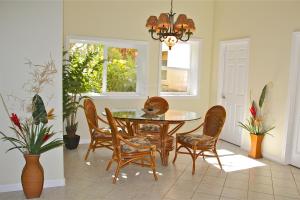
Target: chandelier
(165, 30)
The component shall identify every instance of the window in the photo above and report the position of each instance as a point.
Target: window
(114, 67)
(179, 69)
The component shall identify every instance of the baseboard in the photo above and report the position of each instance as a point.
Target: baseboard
(18, 186)
(84, 141)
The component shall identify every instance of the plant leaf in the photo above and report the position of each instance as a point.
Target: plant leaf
(262, 96)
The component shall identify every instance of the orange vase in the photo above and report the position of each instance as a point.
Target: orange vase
(32, 176)
(256, 141)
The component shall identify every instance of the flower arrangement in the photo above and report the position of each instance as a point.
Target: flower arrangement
(255, 124)
(33, 135)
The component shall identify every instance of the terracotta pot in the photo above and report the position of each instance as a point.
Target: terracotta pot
(256, 141)
(32, 176)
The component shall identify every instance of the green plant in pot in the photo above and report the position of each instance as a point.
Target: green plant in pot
(255, 125)
(78, 69)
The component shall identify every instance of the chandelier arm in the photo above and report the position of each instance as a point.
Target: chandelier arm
(152, 36)
(188, 37)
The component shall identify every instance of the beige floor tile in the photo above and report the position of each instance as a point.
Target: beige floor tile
(236, 184)
(234, 193)
(211, 180)
(282, 175)
(260, 172)
(287, 192)
(261, 188)
(278, 197)
(297, 176)
(295, 170)
(238, 176)
(260, 180)
(201, 196)
(259, 196)
(284, 183)
(209, 189)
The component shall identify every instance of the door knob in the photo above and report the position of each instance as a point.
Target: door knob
(223, 96)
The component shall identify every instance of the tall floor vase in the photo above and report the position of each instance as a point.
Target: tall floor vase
(256, 141)
(32, 176)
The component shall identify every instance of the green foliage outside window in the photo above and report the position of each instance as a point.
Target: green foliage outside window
(121, 67)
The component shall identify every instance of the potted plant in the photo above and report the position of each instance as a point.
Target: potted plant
(81, 64)
(32, 138)
(255, 126)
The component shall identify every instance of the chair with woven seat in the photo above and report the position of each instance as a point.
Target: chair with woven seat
(100, 136)
(132, 150)
(192, 142)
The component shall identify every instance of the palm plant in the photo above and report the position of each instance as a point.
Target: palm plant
(77, 70)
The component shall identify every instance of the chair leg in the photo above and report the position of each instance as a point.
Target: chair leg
(88, 151)
(194, 161)
(176, 149)
(117, 172)
(94, 146)
(109, 164)
(153, 165)
(215, 152)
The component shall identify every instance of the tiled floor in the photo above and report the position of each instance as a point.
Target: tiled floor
(242, 178)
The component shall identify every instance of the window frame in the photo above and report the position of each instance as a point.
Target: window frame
(193, 73)
(141, 64)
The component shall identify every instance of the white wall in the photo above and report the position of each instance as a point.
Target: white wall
(29, 30)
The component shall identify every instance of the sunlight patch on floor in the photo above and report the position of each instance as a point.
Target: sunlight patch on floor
(234, 162)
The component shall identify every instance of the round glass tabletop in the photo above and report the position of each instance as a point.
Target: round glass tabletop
(170, 115)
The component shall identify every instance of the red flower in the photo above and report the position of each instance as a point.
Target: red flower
(253, 110)
(46, 137)
(14, 118)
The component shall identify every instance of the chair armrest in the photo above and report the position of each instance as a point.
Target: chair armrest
(195, 129)
(102, 120)
(152, 147)
(95, 127)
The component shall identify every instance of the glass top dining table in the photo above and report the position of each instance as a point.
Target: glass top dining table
(169, 123)
(170, 115)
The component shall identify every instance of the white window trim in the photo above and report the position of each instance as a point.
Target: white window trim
(195, 76)
(142, 64)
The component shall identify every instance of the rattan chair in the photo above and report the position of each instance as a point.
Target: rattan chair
(206, 142)
(133, 150)
(100, 137)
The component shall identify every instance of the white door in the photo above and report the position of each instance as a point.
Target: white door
(295, 96)
(233, 84)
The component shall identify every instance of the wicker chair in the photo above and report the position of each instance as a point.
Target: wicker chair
(212, 127)
(100, 137)
(126, 151)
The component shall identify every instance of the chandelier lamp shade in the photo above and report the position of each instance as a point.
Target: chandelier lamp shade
(165, 30)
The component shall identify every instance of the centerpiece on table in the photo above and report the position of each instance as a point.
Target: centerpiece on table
(33, 136)
(255, 126)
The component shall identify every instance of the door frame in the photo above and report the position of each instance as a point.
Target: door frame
(291, 99)
(221, 67)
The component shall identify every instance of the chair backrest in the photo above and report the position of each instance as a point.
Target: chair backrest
(157, 103)
(214, 121)
(114, 132)
(90, 113)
